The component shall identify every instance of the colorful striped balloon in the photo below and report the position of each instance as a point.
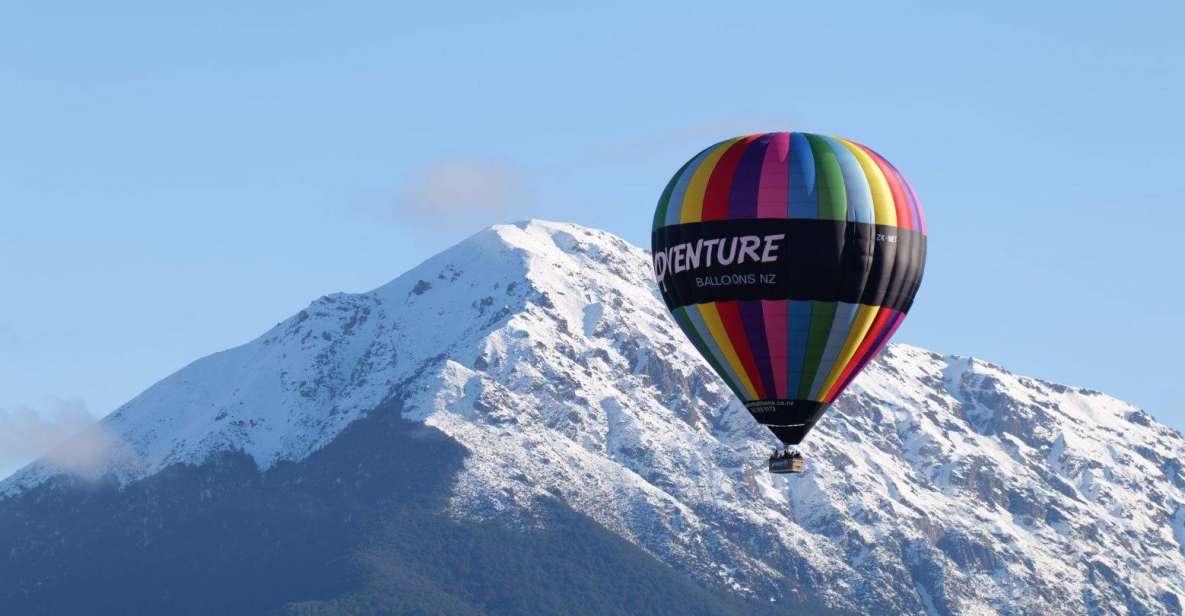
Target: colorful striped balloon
(788, 259)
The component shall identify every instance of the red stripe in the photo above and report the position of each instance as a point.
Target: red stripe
(720, 182)
(879, 323)
(896, 322)
(730, 316)
(900, 198)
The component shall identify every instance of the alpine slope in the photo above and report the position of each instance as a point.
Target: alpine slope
(937, 484)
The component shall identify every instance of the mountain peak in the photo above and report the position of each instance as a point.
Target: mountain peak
(936, 484)
(288, 392)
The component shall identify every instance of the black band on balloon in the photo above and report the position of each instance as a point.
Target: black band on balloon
(785, 412)
(791, 435)
(789, 420)
(779, 259)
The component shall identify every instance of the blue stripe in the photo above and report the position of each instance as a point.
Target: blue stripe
(798, 321)
(859, 194)
(804, 197)
(845, 313)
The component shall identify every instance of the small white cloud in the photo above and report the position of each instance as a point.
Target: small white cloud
(62, 433)
(462, 193)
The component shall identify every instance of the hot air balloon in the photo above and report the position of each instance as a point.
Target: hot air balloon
(788, 260)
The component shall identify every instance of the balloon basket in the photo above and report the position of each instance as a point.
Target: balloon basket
(789, 463)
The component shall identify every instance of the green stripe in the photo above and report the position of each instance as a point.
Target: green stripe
(833, 199)
(704, 350)
(660, 214)
(822, 316)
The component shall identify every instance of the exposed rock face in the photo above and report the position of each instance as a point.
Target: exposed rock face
(937, 484)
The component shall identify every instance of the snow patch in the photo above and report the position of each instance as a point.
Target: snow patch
(545, 349)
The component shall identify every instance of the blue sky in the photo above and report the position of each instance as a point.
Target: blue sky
(174, 181)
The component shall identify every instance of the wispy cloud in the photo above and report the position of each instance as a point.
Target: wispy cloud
(62, 432)
(454, 193)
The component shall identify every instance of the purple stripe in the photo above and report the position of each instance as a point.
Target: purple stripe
(753, 318)
(915, 206)
(742, 195)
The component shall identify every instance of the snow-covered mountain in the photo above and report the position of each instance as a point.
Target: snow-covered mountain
(937, 484)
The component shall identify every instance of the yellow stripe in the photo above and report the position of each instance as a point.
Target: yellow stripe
(711, 318)
(693, 199)
(882, 197)
(864, 318)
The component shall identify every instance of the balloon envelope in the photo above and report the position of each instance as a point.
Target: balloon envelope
(788, 259)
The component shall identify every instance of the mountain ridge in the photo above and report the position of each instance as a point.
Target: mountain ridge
(937, 484)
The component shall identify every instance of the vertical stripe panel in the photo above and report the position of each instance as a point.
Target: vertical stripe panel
(798, 321)
(753, 320)
(660, 212)
(774, 313)
(693, 198)
(803, 190)
(832, 204)
(894, 324)
(884, 211)
(841, 324)
(730, 316)
(742, 195)
(720, 182)
(675, 204)
(884, 318)
(774, 191)
(822, 317)
(857, 193)
(915, 205)
(711, 318)
(664, 202)
(865, 315)
(701, 337)
(900, 199)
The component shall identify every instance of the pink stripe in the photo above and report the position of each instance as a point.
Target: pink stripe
(773, 193)
(918, 216)
(775, 336)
